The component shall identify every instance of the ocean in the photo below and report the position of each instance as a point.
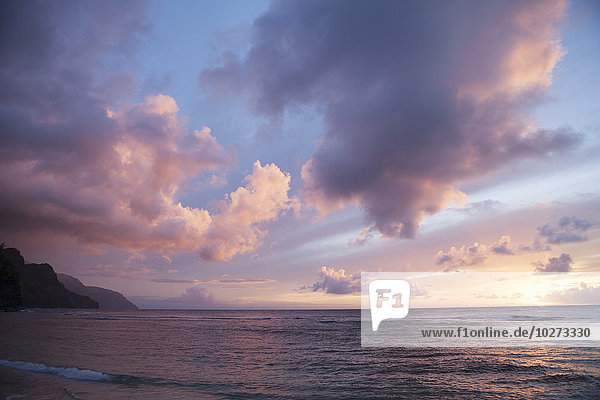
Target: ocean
(160, 354)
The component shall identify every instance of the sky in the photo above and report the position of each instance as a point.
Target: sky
(254, 154)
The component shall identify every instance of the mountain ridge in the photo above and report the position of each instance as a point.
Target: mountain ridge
(31, 285)
(34, 285)
(107, 299)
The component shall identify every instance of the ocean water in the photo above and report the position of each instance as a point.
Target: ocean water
(551, 326)
(267, 355)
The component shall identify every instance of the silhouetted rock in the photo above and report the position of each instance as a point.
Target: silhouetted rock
(35, 286)
(12, 256)
(10, 286)
(107, 299)
(41, 288)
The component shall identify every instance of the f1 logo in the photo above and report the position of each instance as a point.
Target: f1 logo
(388, 298)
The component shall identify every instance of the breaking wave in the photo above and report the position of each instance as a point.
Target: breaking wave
(64, 372)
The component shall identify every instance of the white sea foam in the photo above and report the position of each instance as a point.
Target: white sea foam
(65, 372)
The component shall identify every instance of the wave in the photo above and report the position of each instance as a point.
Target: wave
(90, 375)
(64, 372)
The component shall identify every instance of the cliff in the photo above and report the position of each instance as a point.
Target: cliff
(10, 286)
(107, 299)
(34, 285)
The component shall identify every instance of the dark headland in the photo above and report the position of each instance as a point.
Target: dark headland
(38, 286)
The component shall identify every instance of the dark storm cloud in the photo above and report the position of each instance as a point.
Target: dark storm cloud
(417, 96)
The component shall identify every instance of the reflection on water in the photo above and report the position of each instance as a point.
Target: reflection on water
(269, 354)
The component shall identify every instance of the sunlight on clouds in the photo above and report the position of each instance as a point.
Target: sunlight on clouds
(238, 227)
(323, 204)
(475, 254)
(130, 196)
(336, 282)
(161, 105)
(532, 55)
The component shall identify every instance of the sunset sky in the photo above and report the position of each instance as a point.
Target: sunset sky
(254, 154)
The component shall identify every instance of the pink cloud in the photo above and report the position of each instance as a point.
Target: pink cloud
(239, 227)
(78, 159)
(363, 237)
(475, 254)
(129, 198)
(336, 282)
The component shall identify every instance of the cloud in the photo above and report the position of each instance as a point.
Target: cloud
(584, 294)
(561, 263)
(111, 271)
(130, 198)
(474, 254)
(502, 246)
(195, 295)
(416, 289)
(217, 282)
(166, 280)
(485, 207)
(239, 281)
(78, 158)
(463, 256)
(238, 228)
(429, 96)
(490, 297)
(336, 282)
(363, 237)
(566, 230)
